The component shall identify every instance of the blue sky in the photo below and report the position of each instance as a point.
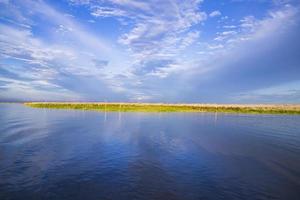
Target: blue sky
(223, 51)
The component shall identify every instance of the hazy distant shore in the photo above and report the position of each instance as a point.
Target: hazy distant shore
(162, 107)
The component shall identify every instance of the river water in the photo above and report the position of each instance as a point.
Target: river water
(72, 154)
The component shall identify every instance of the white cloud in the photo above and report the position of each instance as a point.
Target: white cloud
(27, 91)
(283, 93)
(229, 26)
(107, 12)
(73, 49)
(251, 28)
(215, 13)
(158, 43)
(214, 47)
(161, 29)
(190, 38)
(160, 32)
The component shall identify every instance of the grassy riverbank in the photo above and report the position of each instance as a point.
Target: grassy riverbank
(156, 107)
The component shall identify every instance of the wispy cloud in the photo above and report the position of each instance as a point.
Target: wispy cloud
(142, 50)
(161, 31)
(74, 51)
(215, 13)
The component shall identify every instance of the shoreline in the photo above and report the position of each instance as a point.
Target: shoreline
(164, 107)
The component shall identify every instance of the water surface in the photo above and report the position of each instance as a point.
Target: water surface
(66, 154)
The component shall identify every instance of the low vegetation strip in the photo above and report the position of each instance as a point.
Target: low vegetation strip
(160, 107)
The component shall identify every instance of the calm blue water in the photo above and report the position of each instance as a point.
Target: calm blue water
(61, 154)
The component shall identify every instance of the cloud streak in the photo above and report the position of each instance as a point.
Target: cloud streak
(146, 51)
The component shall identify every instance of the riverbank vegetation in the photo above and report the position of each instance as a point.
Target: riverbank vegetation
(161, 107)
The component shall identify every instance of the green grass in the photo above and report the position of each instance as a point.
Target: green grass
(148, 107)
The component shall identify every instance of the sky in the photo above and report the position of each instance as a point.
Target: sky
(178, 51)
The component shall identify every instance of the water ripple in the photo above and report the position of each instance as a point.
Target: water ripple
(58, 154)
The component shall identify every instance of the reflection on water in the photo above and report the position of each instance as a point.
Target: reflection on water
(58, 154)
